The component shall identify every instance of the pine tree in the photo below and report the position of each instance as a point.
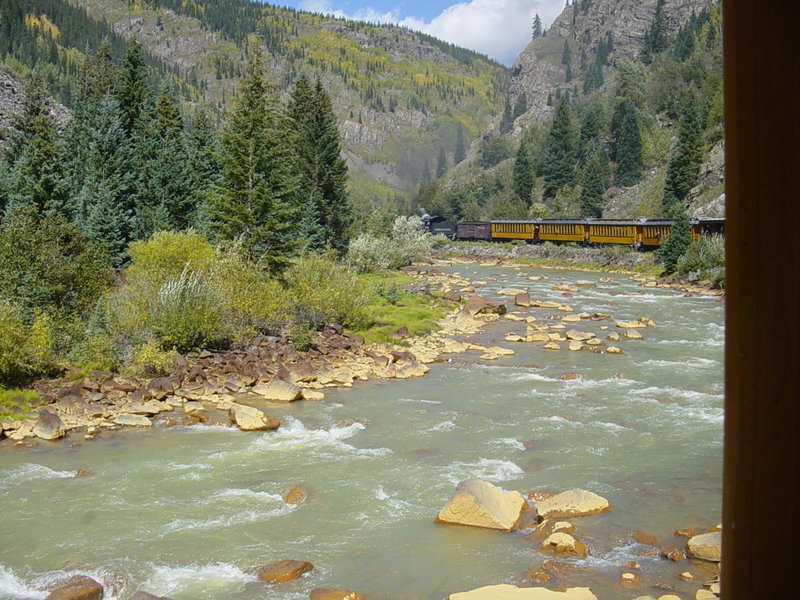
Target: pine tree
(559, 160)
(675, 244)
(686, 158)
(550, 99)
(460, 152)
(507, 121)
(591, 127)
(655, 37)
(326, 207)
(131, 90)
(629, 151)
(537, 26)
(566, 55)
(593, 187)
(35, 162)
(256, 200)
(524, 174)
(441, 166)
(202, 168)
(520, 107)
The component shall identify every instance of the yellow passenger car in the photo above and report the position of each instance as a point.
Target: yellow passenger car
(613, 232)
(513, 230)
(551, 230)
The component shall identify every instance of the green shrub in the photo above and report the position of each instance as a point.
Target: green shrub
(25, 350)
(301, 337)
(150, 360)
(408, 242)
(95, 351)
(704, 256)
(322, 291)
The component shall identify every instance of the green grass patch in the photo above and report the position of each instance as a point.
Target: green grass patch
(16, 404)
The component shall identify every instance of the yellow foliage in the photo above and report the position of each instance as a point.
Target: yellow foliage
(43, 23)
(149, 360)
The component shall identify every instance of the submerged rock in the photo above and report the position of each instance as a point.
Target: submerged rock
(478, 503)
(707, 546)
(512, 592)
(49, 426)
(572, 503)
(249, 418)
(328, 594)
(284, 570)
(295, 495)
(77, 587)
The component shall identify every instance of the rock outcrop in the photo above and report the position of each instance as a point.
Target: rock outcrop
(478, 503)
(572, 503)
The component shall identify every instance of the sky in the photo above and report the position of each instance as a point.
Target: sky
(497, 28)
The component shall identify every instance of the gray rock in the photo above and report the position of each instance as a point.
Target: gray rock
(49, 426)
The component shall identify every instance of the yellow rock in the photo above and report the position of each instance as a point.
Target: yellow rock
(558, 327)
(647, 321)
(632, 334)
(614, 350)
(630, 325)
(513, 337)
(530, 319)
(500, 351)
(312, 395)
(538, 337)
(603, 327)
(556, 337)
(547, 304)
(613, 337)
(571, 319)
(579, 336)
(552, 346)
(594, 342)
(563, 543)
(489, 356)
(575, 346)
(565, 308)
(468, 289)
(480, 504)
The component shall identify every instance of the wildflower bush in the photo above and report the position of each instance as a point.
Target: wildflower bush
(407, 242)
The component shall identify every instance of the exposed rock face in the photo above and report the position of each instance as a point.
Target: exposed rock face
(12, 97)
(284, 570)
(279, 391)
(572, 503)
(512, 592)
(248, 418)
(707, 546)
(478, 503)
(49, 426)
(78, 587)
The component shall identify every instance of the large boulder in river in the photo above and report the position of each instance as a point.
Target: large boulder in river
(478, 503)
(249, 418)
(707, 546)
(284, 570)
(279, 391)
(49, 426)
(77, 587)
(572, 503)
(476, 305)
(512, 592)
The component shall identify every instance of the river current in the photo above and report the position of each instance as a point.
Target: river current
(191, 512)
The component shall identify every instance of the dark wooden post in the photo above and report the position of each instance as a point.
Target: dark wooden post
(762, 373)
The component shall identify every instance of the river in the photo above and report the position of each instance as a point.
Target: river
(191, 512)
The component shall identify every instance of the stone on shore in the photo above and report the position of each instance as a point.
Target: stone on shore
(563, 543)
(707, 546)
(77, 587)
(49, 426)
(249, 418)
(476, 305)
(132, 420)
(478, 503)
(279, 390)
(328, 594)
(512, 592)
(312, 395)
(284, 570)
(572, 503)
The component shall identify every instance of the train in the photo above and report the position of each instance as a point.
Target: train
(642, 234)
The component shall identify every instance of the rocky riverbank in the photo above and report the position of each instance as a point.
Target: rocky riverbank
(218, 387)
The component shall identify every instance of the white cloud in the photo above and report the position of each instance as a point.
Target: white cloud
(498, 28)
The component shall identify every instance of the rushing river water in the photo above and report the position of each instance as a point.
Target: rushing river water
(191, 512)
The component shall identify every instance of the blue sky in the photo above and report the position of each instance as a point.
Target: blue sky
(498, 28)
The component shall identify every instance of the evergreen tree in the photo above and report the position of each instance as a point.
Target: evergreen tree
(256, 200)
(655, 37)
(460, 152)
(202, 167)
(524, 174)
(537, 26)
(630, 160)
(326, 208)
(441, 166)
(35, 163)
(507, 121)
(591, 127)
(568, 74)
(566, 55)
(520, 107)
(550, 99)
(131, 90)
(686, 158)
(593, 188)
(675, 244)
(559, 160)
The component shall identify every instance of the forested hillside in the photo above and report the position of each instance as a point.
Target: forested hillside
(614, 111)
(401, 98)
